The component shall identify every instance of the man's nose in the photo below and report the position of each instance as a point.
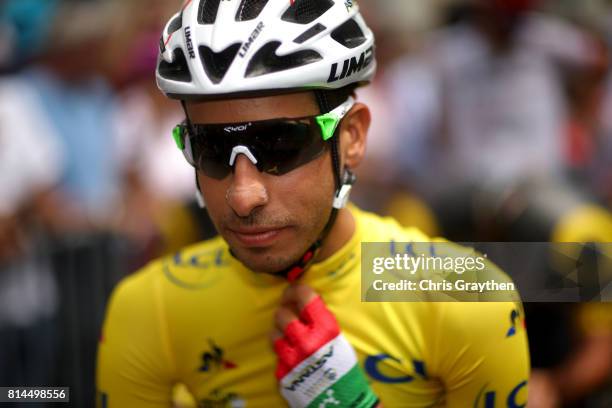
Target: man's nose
(247, 191)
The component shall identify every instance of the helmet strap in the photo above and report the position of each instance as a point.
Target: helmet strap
(293, 272)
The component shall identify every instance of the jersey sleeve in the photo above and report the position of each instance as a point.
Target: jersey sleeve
(482, 355)
(135, 365)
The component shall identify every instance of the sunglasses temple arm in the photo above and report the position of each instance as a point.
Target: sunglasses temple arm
(187, 119)
(198, 195)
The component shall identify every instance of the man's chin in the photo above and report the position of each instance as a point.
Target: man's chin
(264, 261)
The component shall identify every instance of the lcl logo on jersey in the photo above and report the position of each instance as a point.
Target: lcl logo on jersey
(214, 359)
(487, 399)
(351, 66)
(516, 322)
(372, 367)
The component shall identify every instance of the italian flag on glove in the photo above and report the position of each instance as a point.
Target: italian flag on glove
(317, 367)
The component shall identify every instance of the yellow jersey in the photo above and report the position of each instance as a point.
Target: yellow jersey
(202, 319)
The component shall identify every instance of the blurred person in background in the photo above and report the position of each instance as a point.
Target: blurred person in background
(589, 147)
(497, 115)
(98, 106)
(71, 103)
(50, 173)
(482, 113)
(65, 183)
(399, 26)
(581, 374)
(158, 192)
(600, 168)
(30, 168)
(24, 26)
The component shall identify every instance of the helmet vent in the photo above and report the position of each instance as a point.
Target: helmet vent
(308, 34)
(217, 64)
(349, 34)
(207, 12)
(250, 9)
(265, 60)
(306, 11)
(175, 24)
(176, 71)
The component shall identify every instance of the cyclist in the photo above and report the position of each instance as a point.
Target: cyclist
(273, 131)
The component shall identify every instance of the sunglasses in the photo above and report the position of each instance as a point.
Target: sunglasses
(275, 146)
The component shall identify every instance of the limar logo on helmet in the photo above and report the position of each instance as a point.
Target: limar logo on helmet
(351, 66)
(247, 44)
(189, 42)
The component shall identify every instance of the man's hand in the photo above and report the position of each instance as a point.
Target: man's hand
(317, 367)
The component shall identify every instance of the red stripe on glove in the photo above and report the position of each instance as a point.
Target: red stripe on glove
(315, 327)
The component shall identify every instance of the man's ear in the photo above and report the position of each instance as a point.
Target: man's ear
(353, 135)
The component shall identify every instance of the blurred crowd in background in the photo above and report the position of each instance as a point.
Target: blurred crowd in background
(492, 121)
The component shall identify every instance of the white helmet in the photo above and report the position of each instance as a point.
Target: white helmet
(215, 48)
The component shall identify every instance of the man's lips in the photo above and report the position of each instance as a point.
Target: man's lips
(257, 237)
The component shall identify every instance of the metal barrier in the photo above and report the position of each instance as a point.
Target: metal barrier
(58, 348)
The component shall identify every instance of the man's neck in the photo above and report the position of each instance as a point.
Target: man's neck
(340, 234)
